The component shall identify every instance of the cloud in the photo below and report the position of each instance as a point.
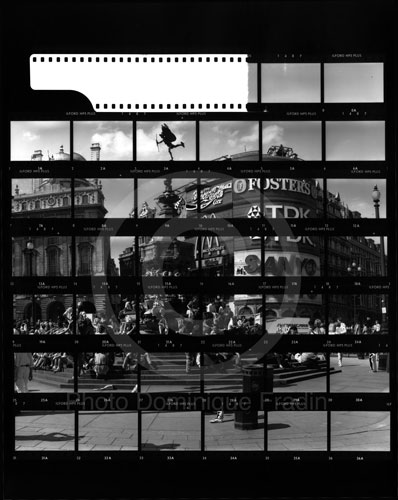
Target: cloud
(50, 125)
(111, 126)
(273, 134)
(252, 137)
(146, 137)
(146, 144)
(30, 136)
(114, 145)
(231, 131)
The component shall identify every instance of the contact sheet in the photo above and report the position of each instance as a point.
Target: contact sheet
(141, 245)
(200, 252)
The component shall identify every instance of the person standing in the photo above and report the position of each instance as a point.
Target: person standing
(357, 330)
(163, 325)
(341, 329)
(376, 327)
(374, 356)
(23, 366)
(317, 328)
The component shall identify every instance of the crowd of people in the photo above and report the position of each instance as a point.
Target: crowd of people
(174, 316)
(335, 327)
(52, 361)
(178, 314)
(158, 315)
(50, 327)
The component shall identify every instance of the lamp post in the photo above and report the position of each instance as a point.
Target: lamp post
(29, 250)
(376, 200)
(355, 270)
(385, 363)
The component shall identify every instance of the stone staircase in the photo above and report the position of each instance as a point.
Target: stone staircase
(170, 370)
(297, 373)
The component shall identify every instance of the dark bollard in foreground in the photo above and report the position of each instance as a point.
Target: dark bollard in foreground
(255, 380)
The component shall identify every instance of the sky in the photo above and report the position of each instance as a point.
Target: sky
(304, 137)
(355, 141)
(115, 138)
(226, 138)
(354, 82)
(24, 185)
(118, 244)
(290, 82)
(357, 194)
(119, 197)
(252, 83)
(147, 150)
(28, 136)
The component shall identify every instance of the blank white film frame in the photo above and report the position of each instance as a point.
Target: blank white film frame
(149, 83)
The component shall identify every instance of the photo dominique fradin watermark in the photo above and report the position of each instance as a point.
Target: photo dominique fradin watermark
(195, 402)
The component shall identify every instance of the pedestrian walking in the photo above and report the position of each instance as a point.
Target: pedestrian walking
(23, 366)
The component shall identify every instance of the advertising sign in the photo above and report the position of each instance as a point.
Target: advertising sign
(282, 325)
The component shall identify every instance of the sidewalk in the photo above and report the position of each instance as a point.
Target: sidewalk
(350, 431)
(224, 437)
(287, 431)
(36, 431)
(357, 377)
(171, 431)
(112, 431)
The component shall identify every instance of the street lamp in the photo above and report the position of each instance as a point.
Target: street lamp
(376, 200)
(355, 270)
(29, 250)
(384, 327)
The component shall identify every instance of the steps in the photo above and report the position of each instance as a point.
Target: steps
(297, 373)
(170, 370)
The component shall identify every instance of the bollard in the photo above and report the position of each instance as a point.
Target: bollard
(255, 380)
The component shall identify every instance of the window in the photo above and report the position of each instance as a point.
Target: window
(53, 261)
(30, 262)
(85, 259)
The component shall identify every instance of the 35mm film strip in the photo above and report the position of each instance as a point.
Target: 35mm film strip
(199, 273)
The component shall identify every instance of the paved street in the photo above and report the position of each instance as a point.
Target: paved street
(224, 437)
(36, 431)
(171, 431)
(357, 377)
(112, 431)
(360, 431)
(287, 430)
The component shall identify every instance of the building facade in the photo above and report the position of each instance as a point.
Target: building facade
(284, 256)
(51, 256)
